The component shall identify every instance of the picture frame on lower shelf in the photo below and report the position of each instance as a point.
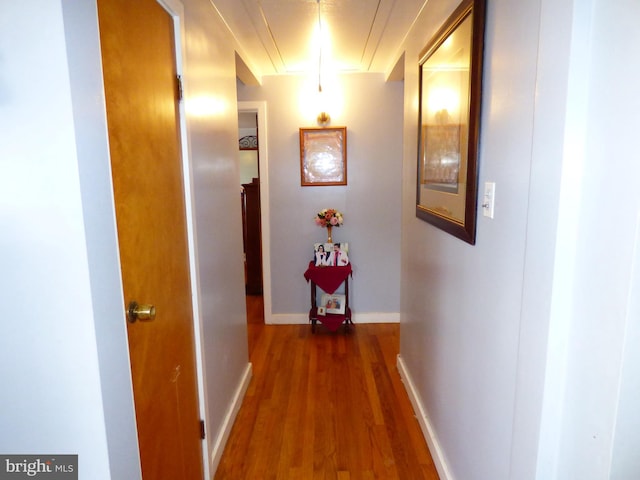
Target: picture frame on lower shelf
(334, 303)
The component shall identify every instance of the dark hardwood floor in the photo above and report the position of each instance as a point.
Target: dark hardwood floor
(324, 406)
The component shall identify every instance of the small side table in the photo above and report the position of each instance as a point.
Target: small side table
(329, 279)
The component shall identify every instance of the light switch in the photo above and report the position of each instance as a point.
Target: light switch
(488, 200)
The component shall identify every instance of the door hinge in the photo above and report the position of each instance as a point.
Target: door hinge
(179, 78)
(202, 435)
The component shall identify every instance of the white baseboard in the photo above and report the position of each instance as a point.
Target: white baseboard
(423, 419)
(303, 318)
(230, 417)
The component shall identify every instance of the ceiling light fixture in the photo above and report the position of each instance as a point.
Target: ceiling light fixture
(319, 48)
(323, 117)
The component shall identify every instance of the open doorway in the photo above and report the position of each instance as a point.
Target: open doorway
(248, 139)
(250, 197)
(255, 203)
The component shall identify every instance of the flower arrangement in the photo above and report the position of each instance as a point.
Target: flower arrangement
(329, 217)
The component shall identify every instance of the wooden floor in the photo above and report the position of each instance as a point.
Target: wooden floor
(324, 406)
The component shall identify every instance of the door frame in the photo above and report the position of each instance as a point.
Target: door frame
(175, 8)
(260, 109)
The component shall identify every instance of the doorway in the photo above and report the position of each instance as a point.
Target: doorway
(252, 122)
(249, 138)
(250, 197)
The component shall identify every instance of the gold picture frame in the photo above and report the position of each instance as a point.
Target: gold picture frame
(450, 88)
(323, 156)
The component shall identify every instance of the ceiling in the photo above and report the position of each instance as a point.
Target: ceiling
(277, 36)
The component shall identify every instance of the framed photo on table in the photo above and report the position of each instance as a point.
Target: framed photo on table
(334, 303)
(323, 156)
(331, 254)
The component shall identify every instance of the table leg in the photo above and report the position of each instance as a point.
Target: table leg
(313, 313)
(347, 312)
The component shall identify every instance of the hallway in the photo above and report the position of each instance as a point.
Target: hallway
(324, 406)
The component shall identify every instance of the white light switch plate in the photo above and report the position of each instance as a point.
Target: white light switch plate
(488, 200)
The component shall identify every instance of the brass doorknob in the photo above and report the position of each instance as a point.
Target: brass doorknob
(140, 312)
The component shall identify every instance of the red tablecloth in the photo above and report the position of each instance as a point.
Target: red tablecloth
(327, 278)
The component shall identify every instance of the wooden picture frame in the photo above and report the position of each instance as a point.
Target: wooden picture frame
(323, 156)
(450, 88)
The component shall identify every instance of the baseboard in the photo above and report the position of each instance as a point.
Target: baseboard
(425, 425)
(303, 318)
(230, 417)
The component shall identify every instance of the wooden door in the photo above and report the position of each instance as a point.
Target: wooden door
(252, 237)
(137, 41)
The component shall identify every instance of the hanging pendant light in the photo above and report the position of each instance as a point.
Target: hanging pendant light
(319, 48)
(323, 118)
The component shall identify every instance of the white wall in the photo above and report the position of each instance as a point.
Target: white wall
(248, 158)
(600, 403)
(461, 304)
(248, 165)
(370, 202)
(249, 170)
(515, 354)
(63, 347)
(210, 88)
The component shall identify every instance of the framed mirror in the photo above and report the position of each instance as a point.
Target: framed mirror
(450, 87)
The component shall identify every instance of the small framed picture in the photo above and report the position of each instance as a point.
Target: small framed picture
(333, 303)
(322, 311)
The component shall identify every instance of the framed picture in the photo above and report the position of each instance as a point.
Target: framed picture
(331, 254)
(323, 156)
(450, 88)
(334, 303)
